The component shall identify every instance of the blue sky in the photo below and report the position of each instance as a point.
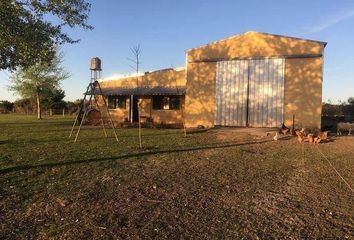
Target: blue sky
(165, 29)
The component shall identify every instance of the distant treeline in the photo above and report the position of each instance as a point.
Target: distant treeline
(28, 106)
(56, 106)
(341, 109)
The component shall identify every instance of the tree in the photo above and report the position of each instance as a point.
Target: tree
(73, 107)
(24, 105)
(39, 81)
(27, 37)
(136, 51)
(54, 100)
(6, 106)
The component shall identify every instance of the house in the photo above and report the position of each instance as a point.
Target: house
(249, 80)
(160, 96)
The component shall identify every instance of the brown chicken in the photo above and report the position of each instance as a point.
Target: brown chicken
(284, 129)
(311, 138)
(300, 136)
(321, 136)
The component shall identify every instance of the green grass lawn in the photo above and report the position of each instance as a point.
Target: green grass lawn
(199, 187)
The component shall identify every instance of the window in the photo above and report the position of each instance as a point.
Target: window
(117, 102)
(121, 102)
(166, 103)
(175, 103)
(111, 102)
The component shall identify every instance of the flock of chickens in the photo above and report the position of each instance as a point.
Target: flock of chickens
(303, 135)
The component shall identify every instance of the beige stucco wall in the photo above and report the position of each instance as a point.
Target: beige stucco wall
(200, 94)
(164, 78)
(303, 92)
(303, 77)
(117, 114)
(161, 116)
(254, 44)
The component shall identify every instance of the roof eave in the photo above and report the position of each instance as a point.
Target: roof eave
(277, 35)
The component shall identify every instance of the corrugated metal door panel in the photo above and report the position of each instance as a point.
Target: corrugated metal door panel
(223, 92)
(266, 92)
(251, 96)
(277, 89)
(253, 113)
(234, 90)
(241, 84)
(272, 93)
(217, 94)
(228, 93)
(231, 93)
(244, 92)
(281, 74)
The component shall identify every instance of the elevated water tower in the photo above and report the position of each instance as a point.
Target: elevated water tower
(96, 69)
(95, 92)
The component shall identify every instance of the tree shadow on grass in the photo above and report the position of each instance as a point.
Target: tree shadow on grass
(127, 156)
(36, 131)
(90, 138)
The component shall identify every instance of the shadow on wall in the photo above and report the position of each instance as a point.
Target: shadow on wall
(171, 78)
(163, 78)
(303, 76)
(303, 92)
(200, 94)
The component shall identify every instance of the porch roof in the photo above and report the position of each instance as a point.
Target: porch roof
(143, 91)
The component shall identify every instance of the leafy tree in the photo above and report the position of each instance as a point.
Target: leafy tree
(39, 81)
(351, 101)
(6, 106)
(54, 99)
(26, 35)
(24, 105)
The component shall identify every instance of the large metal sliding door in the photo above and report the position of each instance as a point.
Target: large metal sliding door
(250, 93)
(266, 93)
(231, 93)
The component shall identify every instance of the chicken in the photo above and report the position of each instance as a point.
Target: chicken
(311, 138)
(276, 137)
(300, 136)
(321, 136)
(284, 129)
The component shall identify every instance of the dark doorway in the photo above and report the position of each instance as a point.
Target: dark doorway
(135, 108)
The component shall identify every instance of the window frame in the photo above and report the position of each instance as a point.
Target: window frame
(169, 99)
(116, 102)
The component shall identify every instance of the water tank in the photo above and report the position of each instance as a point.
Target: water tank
(96, 64)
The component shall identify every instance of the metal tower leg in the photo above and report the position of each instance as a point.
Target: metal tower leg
(82, 120)
(109, 115)
(96, 102)
(80, 110)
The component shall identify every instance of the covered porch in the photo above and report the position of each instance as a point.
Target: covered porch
(155, 105)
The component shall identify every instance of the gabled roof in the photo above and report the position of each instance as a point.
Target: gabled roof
(262, 33)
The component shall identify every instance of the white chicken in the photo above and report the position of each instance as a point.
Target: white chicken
(276, 137)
